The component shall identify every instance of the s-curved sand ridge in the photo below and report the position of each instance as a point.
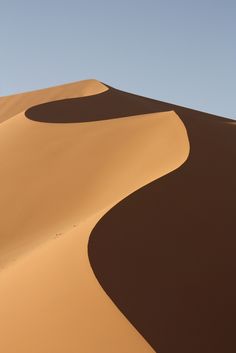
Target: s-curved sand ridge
(57, 180)
(177, 240)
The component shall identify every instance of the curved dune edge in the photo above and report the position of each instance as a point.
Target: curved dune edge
(59, 305)
(176, 238)
(14, 104)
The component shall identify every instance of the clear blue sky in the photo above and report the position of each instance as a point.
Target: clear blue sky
(180, 51)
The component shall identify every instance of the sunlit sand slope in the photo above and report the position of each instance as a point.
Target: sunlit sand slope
(54, 175)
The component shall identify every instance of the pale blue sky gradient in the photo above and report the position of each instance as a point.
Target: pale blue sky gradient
(180, 51)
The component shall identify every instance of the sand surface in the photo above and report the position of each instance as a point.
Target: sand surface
(57, 180)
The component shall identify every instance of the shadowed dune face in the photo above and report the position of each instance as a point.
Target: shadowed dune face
(166, 253)
(110, 104)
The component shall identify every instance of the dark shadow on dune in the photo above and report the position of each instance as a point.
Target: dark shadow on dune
(166, 253)
(106, 105)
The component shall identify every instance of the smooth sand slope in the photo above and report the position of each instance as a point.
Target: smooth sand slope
(176, 239)
(57, 180)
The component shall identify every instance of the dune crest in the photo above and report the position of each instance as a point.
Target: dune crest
(12, 105)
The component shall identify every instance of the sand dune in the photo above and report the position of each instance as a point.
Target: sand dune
(57, 180)
(86, 155)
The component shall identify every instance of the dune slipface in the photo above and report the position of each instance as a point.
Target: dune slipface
(171, 246)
